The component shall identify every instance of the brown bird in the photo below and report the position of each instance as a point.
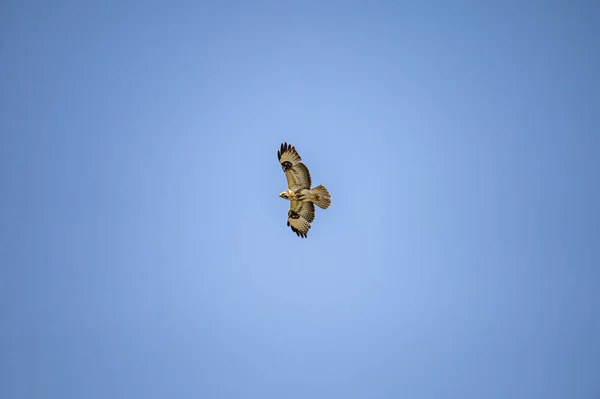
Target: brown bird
(302, 198)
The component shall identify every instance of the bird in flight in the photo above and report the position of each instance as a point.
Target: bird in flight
(302, 198)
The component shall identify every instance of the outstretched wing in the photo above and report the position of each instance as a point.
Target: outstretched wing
(296, 172)
(300, 216)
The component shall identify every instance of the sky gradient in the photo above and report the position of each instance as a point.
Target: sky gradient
(144, 251)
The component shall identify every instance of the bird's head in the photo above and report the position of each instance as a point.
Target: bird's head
(287, 194)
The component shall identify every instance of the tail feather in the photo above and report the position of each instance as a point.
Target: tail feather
(321, 197)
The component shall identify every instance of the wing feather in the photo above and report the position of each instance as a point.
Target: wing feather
(300, 216)
(296, 173)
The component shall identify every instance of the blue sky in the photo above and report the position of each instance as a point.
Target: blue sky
(144, 249)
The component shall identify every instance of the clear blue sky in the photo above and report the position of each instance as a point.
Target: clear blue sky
(144, 250)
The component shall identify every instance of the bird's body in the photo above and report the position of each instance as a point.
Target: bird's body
(302, 197)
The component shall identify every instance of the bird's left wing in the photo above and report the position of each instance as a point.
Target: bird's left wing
(296, 172)
(300, 216)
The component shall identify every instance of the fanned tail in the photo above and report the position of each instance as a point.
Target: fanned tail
(321, 197)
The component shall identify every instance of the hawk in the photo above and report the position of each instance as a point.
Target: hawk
(302, 198)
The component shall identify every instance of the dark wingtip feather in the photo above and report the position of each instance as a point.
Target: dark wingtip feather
(298, 232)
(285, 147)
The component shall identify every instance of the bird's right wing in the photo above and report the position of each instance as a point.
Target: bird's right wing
(300, 216)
